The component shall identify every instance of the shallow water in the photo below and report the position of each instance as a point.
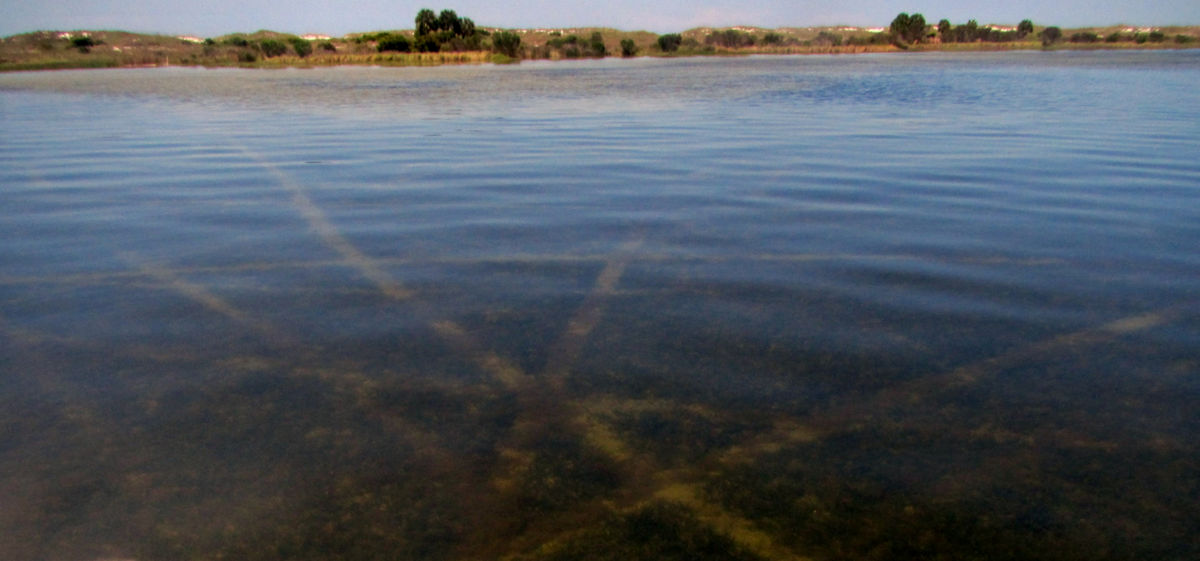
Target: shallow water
(837, 307)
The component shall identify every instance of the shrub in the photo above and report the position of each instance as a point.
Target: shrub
(1157, 37)
(302, 47)
(507, 43)
(327, 46)
(1051, 35)
(669, 42)
(730, 38)
(827, 38)
(1113, 37)
(628, 49)
(272, 47)
(84, 44)
(427, 44)
(1084, 37)
(398, 43)
(598, 48)
(1184, 39)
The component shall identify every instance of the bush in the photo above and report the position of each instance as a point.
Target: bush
(669, 42)
(398, 43)
(730, 38)
(1113, 37)
(84, 44)
(1051, 35)
(1184, 39)
(272, 47)
(1157, 37)
(598, 48)
(827, 38)
(1085, 37)
(507, 43)
(302, 47)
(628, 49)
(427, 44)
(328, 46)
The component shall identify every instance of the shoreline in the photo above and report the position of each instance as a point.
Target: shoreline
(45, 51)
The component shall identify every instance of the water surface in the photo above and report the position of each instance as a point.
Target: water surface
(881, 306)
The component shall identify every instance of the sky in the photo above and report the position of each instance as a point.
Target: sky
(208, 18)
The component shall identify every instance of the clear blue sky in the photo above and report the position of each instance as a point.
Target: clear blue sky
(337, 17)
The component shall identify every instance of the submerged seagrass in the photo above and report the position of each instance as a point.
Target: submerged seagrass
(875, 308)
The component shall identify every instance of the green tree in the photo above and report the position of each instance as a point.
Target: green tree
(670, 42)
(467, 27)
(944, 30)
(1051, 35)
(1024, 28)
(970, 31)
(507, 43)
(899, 27)
(916, 28)
(628, 49)
(427, 22)
(445, 32)
(448, 21)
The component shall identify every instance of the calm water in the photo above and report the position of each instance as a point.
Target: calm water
(870, 307)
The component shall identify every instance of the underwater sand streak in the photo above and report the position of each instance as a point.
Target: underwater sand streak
(920, 390)
(331, 236)
(742, 531)
(27, 337)
(508, 374)
(566, 351)
(504, 371)
(202, 296)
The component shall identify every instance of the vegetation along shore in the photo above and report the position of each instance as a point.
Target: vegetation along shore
(447, 38)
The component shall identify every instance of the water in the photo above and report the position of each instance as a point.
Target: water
(836, 307)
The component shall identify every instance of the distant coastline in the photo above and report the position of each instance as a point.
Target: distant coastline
(53, 50)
